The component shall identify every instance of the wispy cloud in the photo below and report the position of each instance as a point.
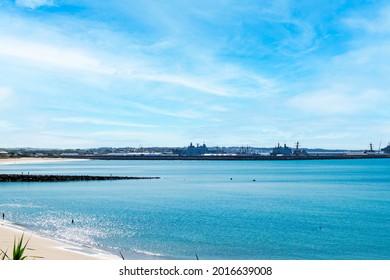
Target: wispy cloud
(33, 4)
(377, 22)
(7, 126)
(5, 93)
(50, 55)
(229, 72)
(336, 100)
(187, 114)
(7, 100)
(101, 122)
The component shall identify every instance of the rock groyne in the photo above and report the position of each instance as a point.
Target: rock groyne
(64, 178)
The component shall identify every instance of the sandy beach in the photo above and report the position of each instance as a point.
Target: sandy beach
(34, 160)
(40, 248)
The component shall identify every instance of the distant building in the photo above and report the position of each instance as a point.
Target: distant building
(69, 154)
(3, 154)
(40, 155)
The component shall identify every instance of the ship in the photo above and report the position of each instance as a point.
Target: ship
(281, 151)
(386, 150)
(287, 151)
(370, 151)
(191, 150)
(299, 152)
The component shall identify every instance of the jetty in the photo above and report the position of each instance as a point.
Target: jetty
(64, 178)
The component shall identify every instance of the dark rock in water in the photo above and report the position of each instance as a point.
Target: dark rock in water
(63, 178)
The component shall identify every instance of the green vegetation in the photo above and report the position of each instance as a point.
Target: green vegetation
(18, 250)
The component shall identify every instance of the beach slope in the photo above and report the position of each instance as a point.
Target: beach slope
(40, 248)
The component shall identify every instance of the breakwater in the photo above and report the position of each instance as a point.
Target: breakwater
(63, 178)
(231, 157)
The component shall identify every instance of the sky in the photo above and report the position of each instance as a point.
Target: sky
(130, 73)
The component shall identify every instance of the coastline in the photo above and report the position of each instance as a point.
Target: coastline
(27, 160)
(233, 157)
(43, 248)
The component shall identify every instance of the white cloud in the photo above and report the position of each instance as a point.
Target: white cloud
(336, 100)
(7, 126)
(184, 81)
(356, 81)
(33, 4)
(330, 136)
(5, 93)
(138, 138)
(59, 56)
(187, 114)
(370, 62)
(6, 98)
(100, 122)
(210, 70)
(215, 78)
(378, 24)
(56, 46)
(47, 140)
(217, 108)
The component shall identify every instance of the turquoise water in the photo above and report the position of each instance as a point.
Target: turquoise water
(330, 209)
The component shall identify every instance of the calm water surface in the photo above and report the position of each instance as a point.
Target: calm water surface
(330, 209)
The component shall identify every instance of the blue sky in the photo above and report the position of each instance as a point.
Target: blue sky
(163, 73)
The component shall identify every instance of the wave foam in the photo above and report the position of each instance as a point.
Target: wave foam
(147, 253)
(17, 205)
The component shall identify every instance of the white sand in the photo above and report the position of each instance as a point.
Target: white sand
(34, 160)
(40, 248)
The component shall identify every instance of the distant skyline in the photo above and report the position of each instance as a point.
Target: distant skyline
(84, 74)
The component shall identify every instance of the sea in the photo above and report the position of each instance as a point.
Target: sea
(213, 210)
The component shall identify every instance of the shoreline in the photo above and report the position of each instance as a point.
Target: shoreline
(235, 157)
(27, 160)
(45, 248)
